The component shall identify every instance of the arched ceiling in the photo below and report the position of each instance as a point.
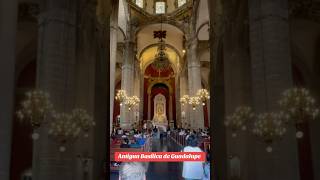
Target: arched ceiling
(147, 44)
(148, 55)
(174, 37)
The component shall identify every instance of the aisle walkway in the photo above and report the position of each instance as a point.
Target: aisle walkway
(162, 170)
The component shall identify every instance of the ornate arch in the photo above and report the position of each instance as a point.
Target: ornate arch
(154, 82)
(173, 65)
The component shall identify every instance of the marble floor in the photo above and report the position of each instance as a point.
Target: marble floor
(161, 170)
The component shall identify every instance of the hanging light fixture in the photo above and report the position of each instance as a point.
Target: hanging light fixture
(203, 94)
(269, 127)
(239, 119)
(121, 96)
(85, 121)
(194, 101)
(36, 106)
(131, 102)
(64, 129)
(161, 60)
(184, 100)
(298, 107)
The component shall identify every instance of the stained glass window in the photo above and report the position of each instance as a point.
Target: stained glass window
(181, 2)
(160, 7)
(139, 3)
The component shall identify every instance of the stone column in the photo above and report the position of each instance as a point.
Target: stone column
(194, 81)
(184, 91)
(178, 109)
(126, 116)
(141, 109)
(137, 90)
(271, 75)
(149, 106)
(8, 23)
(170, 109)
(113, 55)
(56, 74)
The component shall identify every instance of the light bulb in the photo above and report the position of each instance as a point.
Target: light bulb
(269, 149)
(35, 136)
(234, 135)
(62, 149)
(299, 134)
(86, 135)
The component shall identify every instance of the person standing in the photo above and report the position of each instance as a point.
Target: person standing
(192, 170)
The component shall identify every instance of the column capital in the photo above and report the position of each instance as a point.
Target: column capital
(192, 41)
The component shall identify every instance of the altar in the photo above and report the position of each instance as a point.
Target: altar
(160, 118)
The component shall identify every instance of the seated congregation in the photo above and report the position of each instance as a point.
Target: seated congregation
(143, 140)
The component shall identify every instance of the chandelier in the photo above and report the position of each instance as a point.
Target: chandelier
(121, 96)
(203, 94)
(84, 120)
(36, 106)
(298, 106)
(64, 129)
(184, 100)
(161, 60)
(131, 102)
(194, 101)
(269, 127)
(239, 119)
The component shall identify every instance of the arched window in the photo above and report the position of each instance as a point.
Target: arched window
(139, 3)
(160, 7)
(181, 2)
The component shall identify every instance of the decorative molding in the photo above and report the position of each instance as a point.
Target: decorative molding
(154, 81)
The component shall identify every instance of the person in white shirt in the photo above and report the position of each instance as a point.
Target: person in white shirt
(120, 131)
(182, 132)
(132, 171)
(192, 170)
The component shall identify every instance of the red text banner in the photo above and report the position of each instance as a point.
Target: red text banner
(159, 156)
